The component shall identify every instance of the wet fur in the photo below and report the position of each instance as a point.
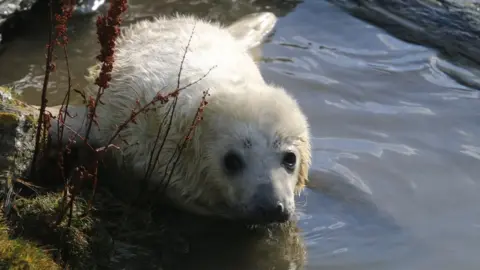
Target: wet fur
(241, 103)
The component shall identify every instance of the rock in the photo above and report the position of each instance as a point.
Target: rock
(88, 6)
(452, 26)
(17, 131)
(10, 8)
(12, 12)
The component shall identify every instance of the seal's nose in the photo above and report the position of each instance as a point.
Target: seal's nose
(269, 205)
(274, 213)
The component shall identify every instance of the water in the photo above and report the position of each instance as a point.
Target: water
(396, 152)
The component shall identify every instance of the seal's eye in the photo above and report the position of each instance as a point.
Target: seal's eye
(233, 162)
(289, 160)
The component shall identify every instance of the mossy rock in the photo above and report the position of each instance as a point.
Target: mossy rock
(16, 139)
(17, 253)
(9, 97)
(36, 218)
(7, 118)
(17, 129)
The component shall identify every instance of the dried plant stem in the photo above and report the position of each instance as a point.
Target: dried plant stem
(197, 118)
(107, 30)
(62, 40)
(48, 69)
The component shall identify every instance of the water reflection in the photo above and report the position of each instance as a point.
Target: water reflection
(215, 246)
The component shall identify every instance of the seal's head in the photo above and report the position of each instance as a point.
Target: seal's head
(251, 155)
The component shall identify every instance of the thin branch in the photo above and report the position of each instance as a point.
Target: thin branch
(197, 118)
(185, 55)
(48, 68)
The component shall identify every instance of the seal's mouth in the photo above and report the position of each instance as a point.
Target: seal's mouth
(241, 213)
(254, 216)
(256, 219)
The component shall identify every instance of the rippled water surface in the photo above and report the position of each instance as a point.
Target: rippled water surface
(395, 179)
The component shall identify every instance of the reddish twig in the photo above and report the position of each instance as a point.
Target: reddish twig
(108, 30)
(67, 7)
(197, 118)
(49, 66)
(151, 166)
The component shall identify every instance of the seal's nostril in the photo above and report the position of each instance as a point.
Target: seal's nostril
(274, 213)
(269, 205)
(280, 209)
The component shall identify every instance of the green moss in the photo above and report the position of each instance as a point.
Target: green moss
(89, 238)
(9, 97)
(12, 108)
(21, 254)
(5, 90)
(31, 120)
(8, 120)
(6, 96)
(38, 216)
(7, 117)
(9, 92)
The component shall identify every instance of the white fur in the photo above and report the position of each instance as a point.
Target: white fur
(241, 106)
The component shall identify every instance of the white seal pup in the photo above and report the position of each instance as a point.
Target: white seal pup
(247, 158)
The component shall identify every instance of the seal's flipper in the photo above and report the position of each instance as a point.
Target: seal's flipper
(252, 29)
